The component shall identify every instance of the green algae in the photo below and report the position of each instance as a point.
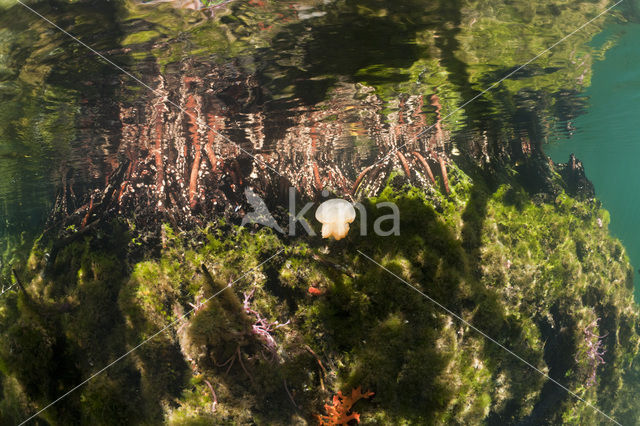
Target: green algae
(531, 274)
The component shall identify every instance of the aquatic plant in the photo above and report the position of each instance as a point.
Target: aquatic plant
(514, 267)
(594, 352)
(262, 327)
(214, 3)
(341, 411)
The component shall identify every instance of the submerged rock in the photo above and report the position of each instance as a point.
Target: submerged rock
(575, 178)
(532, 275)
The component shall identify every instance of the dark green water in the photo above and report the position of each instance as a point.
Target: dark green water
(606, 138)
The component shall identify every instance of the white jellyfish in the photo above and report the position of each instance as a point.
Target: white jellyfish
(335, 216)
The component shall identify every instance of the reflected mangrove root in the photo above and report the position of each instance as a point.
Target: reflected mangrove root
(188, 151)
(425, 166)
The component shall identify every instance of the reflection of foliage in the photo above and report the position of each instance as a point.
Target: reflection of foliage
(495, 38)
(454, 50)
(42, 86)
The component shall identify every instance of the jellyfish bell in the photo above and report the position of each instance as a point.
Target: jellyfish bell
(335, 216)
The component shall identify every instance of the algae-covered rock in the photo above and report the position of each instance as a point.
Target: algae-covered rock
(234, 335)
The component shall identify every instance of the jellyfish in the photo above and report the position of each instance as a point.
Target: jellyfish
(335, 216)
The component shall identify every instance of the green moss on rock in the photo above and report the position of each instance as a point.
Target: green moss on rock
(531, 275)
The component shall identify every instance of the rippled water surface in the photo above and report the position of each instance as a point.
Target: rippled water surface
(287, 77)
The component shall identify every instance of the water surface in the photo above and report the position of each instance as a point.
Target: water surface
(308, 69)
